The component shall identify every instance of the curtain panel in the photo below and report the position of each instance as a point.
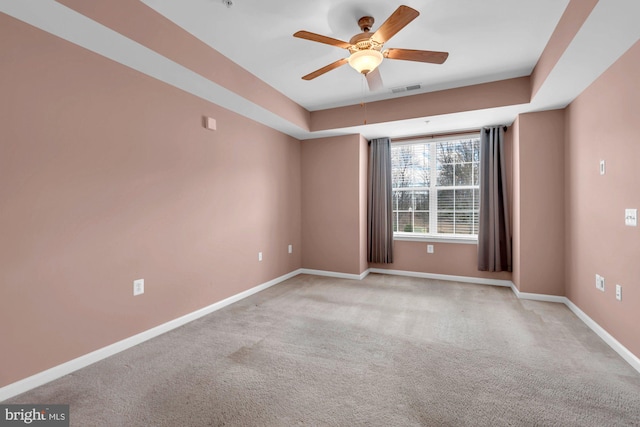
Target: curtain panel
(380, 202)
(494, 238)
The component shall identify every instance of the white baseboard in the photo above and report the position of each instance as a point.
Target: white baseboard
(56, 372)
(464, 279)
(335, 274)
(538, 297)
(629, 357)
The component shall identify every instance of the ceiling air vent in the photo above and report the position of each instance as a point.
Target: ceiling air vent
(405, 88)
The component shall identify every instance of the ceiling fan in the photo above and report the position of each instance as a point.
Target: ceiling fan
(366, 48)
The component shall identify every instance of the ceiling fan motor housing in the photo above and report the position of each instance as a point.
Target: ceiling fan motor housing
(365, 23)
(363, 41)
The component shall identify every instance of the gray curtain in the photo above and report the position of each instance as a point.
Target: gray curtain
(380, 202)
(494, 238)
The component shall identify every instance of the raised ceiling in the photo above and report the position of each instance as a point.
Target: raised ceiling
(489, 40)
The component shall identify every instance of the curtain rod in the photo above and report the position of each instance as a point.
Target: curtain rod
(504, 128)
(439, 135)
(434, 135)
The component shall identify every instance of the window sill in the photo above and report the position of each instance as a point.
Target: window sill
(436, 239)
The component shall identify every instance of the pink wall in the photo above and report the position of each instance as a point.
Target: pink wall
(602, 124)
(469, 98)
(453, 259)
(570, 23)
(364, 179)
(509, 137)
(163, 36)
(515, 202)
(334, 235)
(331, 204)
(539, 210)
(108, 176)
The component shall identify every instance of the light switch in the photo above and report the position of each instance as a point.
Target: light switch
(631, 217)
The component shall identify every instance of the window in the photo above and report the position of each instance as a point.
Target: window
(435, 188)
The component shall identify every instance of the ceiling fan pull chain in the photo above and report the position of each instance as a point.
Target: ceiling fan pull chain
(363, 103)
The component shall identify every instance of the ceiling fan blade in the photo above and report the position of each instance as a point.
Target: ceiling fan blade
(321, 39)
(325, 69)
(374, 80)
(397, 21)
(417, 55)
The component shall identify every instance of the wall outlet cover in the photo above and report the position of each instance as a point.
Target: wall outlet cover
(138, 287)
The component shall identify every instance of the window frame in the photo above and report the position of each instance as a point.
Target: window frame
(433, 193)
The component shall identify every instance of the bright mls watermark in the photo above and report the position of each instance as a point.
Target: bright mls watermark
(34, 415)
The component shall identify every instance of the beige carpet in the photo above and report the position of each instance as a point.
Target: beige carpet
(385, 351)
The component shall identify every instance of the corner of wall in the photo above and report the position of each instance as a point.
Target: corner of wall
(331, 204)
(515, 200)
(539, 225)
(364, 179)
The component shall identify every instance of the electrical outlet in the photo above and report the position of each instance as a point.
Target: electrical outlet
(429, 249)
(290, 249)
(619, 292)
(259, 256)
(600, 282)
(138, 287)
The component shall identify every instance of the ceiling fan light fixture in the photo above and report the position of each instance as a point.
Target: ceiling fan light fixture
(365, 61)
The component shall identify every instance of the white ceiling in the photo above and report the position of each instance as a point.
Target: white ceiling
(488, 40)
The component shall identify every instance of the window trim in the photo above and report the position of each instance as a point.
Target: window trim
(436, 238)
(427, 237)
